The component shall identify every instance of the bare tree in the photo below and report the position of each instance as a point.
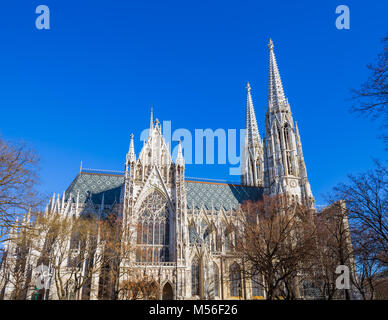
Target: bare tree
(139, 286)
(70, 247)
(14, 267)
(334, 248)
(115, 251)
(18, 178)
(83, 253)
(366, 198)
(368, 266)
(276, 238)
(381, 286)
(372, 98)
(121, 279)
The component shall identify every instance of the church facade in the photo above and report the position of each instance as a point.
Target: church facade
(179, 225)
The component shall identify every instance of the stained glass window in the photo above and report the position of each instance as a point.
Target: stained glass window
(235, 280)
(216, 280)
(195, 277)
(153, 229)
(257, 284)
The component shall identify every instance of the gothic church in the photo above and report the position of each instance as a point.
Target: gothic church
(181, 237)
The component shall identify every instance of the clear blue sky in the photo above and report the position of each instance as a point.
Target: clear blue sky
(77, 91)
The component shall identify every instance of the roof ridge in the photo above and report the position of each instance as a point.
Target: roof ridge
(108, 173)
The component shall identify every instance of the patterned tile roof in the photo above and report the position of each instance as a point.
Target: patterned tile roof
(229, 196)
(93, 185)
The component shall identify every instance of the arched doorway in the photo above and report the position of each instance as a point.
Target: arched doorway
(167, 293)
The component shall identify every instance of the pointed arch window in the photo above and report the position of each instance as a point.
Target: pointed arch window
(235, 280)
(216, 276)
(257, 284)
(287, 136)
(287, 141)
(153, 229)
(195, 277)
(205, 228)
(227, 242)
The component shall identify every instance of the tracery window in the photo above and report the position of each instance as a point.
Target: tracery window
(206, 229)
(226, 240)
(195, 277)
(286, 137)
(216, 276)
(257, 284)
(153, 230)
(218, 242)
(235, 280)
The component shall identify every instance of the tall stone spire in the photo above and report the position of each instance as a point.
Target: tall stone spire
(285, 170)
(252, 132)
(252, 165)
(299, 150)
(276, 97)
(151, 120)
(180, 161)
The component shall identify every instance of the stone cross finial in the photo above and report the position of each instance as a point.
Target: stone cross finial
(248, 87)
(270, 44)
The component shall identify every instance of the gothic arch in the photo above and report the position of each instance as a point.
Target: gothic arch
(235, 287)
(146, 192)
(195, 276)
(167, 291)
(205, 229)
(257, 284)
(216, 280)
(286, 133)
(153, 228)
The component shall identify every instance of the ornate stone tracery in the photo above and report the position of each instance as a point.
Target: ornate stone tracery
(153, 229)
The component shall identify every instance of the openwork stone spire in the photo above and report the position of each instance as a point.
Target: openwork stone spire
(151, 120)
(252, 131)
(131, 158)
(180, 161)
(302, 165)
(276, 97)
(252, 162)
(285, 170)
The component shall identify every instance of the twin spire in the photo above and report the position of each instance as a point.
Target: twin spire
(253, 149)
(253, 162)
(252, 131)
(276, 97)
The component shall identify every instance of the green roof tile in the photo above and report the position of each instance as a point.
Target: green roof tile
(229, 196)
(93, 185)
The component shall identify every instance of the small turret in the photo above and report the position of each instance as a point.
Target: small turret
(131, 156)
(151, 120)
(180, 161)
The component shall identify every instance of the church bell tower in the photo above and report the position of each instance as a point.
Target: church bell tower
(285, 169)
